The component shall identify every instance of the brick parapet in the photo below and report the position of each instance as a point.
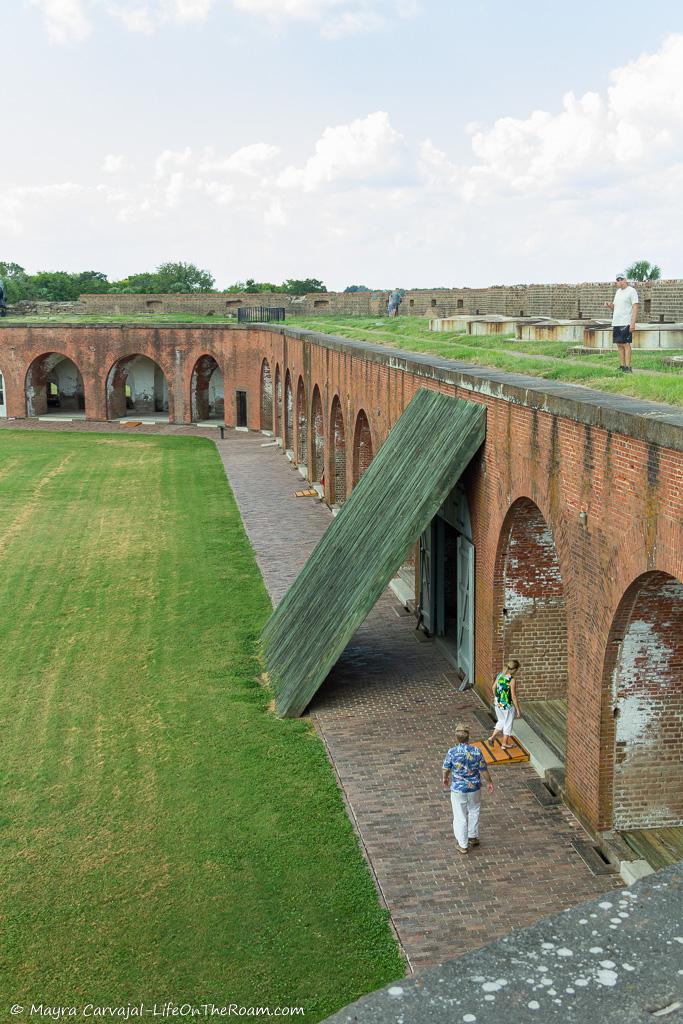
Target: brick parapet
(660, 301)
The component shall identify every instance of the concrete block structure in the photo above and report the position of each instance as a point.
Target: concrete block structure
(573, 507)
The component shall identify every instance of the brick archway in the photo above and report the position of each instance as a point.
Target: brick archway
(54, 385)
(136, 384)
(362, 446)
(642, 750)
(289, 414)
(207, 394)
(318, 428)
(337, 460)
(266, 396)
(301, 424)
(530, 615)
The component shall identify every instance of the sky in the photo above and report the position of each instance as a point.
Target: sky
(418, 143)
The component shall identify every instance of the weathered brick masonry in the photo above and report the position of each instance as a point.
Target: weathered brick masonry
(660, 301)
(576, 503)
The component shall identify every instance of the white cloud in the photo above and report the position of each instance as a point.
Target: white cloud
(113, 163)
(594, 140)
(172, 158)
(64, 20)
(148, 15)
(334, 17)
(67, 19)
(564, 194)
(367, 150)
(247, 160)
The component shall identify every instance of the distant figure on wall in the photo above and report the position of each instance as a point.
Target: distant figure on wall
(394, 302)
(624, 313)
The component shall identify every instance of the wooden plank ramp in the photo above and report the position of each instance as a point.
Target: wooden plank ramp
(660, 847)
(495, 754)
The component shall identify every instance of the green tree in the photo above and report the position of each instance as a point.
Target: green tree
(55, 286)
(352, 288)
(18, 284)
(294, 286)
(91, 282)
(136, 284)
(184, 277)
(643, 270)
(250, 286)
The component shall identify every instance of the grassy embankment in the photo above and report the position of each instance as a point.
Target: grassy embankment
(162, 834)
(551, 360)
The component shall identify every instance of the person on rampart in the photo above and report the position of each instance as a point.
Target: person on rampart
(462, 770)
(394, 302)
(624, 312)
(505, 703)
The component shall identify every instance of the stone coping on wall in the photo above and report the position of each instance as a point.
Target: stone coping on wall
(651, 422)
(615, 960)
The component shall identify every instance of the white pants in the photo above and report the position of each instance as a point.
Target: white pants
(466, 807)
(504, 719)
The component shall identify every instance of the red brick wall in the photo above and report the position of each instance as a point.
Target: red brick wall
(644, 669)
(630, 490)
(530, 617)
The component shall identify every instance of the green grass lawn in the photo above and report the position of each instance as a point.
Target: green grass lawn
(162, 835)
(551, 360)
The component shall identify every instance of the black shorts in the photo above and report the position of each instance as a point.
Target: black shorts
(622, 336)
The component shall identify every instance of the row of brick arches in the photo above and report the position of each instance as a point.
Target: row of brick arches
(135, 384)
(317, 442)
(644, 654)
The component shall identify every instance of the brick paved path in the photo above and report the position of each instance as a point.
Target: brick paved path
(386, 714)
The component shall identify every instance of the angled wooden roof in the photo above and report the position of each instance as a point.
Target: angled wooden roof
(395, 499)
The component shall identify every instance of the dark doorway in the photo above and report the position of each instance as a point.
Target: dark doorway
(241, 408)
(446, 599)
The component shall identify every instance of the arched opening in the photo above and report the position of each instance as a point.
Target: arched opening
(289, 414)
(54, 387)
(137, 385)
(317, 423)
(643, 705)
(3, 406)
(530, 619)
(277, 425)
(266, 397)
(338, 462)
(362, 446)
(302, 425)
(207, 397)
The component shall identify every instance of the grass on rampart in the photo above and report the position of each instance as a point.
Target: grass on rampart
(162, 835)
(551, 360)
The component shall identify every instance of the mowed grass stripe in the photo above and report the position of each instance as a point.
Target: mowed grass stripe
(162, 835)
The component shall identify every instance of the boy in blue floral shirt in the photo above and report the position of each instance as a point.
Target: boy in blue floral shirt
(462, 768)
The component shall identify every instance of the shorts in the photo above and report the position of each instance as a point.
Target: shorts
(622, 336)
(504, 719)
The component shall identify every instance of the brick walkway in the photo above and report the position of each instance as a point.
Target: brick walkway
(386, 714)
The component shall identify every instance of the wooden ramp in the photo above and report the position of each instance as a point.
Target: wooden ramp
(494, 753)
(660, 847)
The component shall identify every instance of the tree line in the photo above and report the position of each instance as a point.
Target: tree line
(62, 286)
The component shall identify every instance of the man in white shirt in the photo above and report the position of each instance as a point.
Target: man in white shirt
(625, 311)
